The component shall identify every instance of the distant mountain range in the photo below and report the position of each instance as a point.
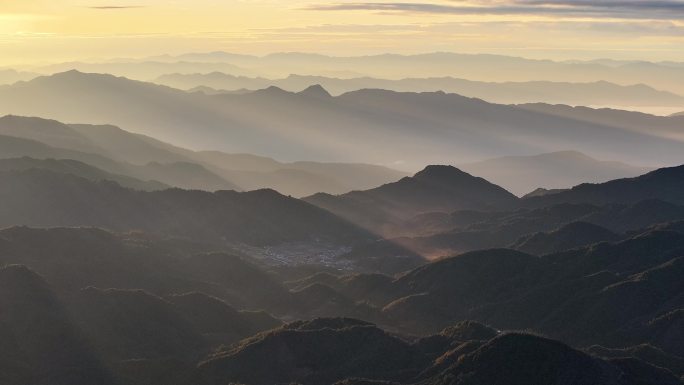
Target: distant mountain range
(370, 126)
(556, 170)
(119, 152)
(596, 93)
(146, 69)
(9, 76)
(492, 68)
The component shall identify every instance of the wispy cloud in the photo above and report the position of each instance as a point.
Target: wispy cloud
(626, 9)
(105, 7)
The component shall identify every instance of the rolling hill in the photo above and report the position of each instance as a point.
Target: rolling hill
(578, 296)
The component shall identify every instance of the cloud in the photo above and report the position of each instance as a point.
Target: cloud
(622, 9)
(105, 7)
(634, 4)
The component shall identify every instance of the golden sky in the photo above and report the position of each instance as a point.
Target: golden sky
(41, 31)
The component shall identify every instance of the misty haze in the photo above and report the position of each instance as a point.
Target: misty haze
(341, 193)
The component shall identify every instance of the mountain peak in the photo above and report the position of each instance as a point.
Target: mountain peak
(440, 172)
(69, 74)
(316, 91)
(271, 90)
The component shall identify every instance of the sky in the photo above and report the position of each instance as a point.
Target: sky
(47, 31)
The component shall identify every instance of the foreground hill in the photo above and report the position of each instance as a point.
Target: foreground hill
(436, 188)
(432, 128)
(558, 170)
(525, 359)
(578, 295)
(40, 343)
(326, 351)
(570, 236)
(134, 337)
(613, 295)
(43, 198)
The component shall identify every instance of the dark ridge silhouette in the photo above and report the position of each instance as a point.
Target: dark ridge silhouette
(322, 277)
(319, 300)
(663, 331)
(540, 191)
(526, 359)
(666, 184)
(157, 266)
(133, 324)
(436, 188)
(465, 231)
(244, 282)
(469, 330)
(570, 236)
(371, 288)
(595, 295)
(644, 352)
(43, 198)
(219, 322)
(624, 218)
(677, 226)
(315, 91)
(581, 295)
(41, 345)
(316, 356)
(326, 323)
(68, 166)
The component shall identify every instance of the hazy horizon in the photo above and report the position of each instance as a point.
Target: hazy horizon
(44, 31)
